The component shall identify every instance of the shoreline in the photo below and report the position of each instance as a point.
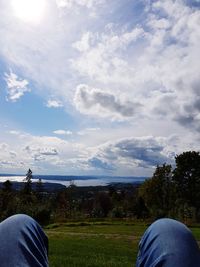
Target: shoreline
(80, 181)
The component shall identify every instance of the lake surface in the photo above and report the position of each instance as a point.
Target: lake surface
(77, 180)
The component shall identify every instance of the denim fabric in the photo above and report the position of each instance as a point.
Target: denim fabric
(168, 243)
(22, 243)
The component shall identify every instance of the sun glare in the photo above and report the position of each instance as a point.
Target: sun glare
(29, 10)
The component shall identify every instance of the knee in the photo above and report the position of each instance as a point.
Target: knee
(19, 221)
(168, 240)
(168, 230)
(165, 224)
(17, 226)
(24, 236)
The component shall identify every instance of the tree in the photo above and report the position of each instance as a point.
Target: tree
(29, 176)
(157, 191)
(186, 178)
(7, 201)
(140, 209)
(7, 186)
(28, 181)
(102, 204)
(39, 187)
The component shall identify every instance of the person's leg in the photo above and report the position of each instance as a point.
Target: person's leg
(22, 243)
(168, 243)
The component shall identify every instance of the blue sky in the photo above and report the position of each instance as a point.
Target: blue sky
(98, 87)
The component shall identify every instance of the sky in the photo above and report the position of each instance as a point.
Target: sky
(98, 87)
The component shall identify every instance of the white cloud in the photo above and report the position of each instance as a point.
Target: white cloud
(102, 55)
(4, 147)
(14, 132)
(54, 104)
(52, 154)
(88, 131)
(41, 153)
(13, 154)
(140, 74)
(84, 3)
(97, 102)
(16, 87)
(161, 59)
(122, 156)
(84, 43)
(137, 155)
(62, 132)
(156, 54)
(110, 42)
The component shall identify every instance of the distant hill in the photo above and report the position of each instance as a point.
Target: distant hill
(78, 180)
(47, 187)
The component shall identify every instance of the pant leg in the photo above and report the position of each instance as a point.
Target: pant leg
(168, 243)
(22, 243)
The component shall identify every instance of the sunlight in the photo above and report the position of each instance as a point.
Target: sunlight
(29, 10)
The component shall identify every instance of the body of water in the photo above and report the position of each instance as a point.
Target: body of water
(77, 180)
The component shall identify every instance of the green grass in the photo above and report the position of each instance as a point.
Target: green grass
(196, 233)
(93, 244)
(90, 252)
(97, 244)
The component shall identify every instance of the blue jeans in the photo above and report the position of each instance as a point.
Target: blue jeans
(22, 243)
(168, 243)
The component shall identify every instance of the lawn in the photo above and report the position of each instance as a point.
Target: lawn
(93, 244)
(96, 244)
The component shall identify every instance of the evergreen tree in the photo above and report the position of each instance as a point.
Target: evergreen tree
(28, 181)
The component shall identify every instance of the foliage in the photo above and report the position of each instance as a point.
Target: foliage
(175, 193)
(186, 178)
(169, 193)
(157, 191)
(28, 181)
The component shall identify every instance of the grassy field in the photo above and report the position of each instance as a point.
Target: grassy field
(99, 244)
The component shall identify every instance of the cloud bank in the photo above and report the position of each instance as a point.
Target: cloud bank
(129, 70)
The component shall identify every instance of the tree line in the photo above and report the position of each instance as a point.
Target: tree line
(172, 191)
(70, 203)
